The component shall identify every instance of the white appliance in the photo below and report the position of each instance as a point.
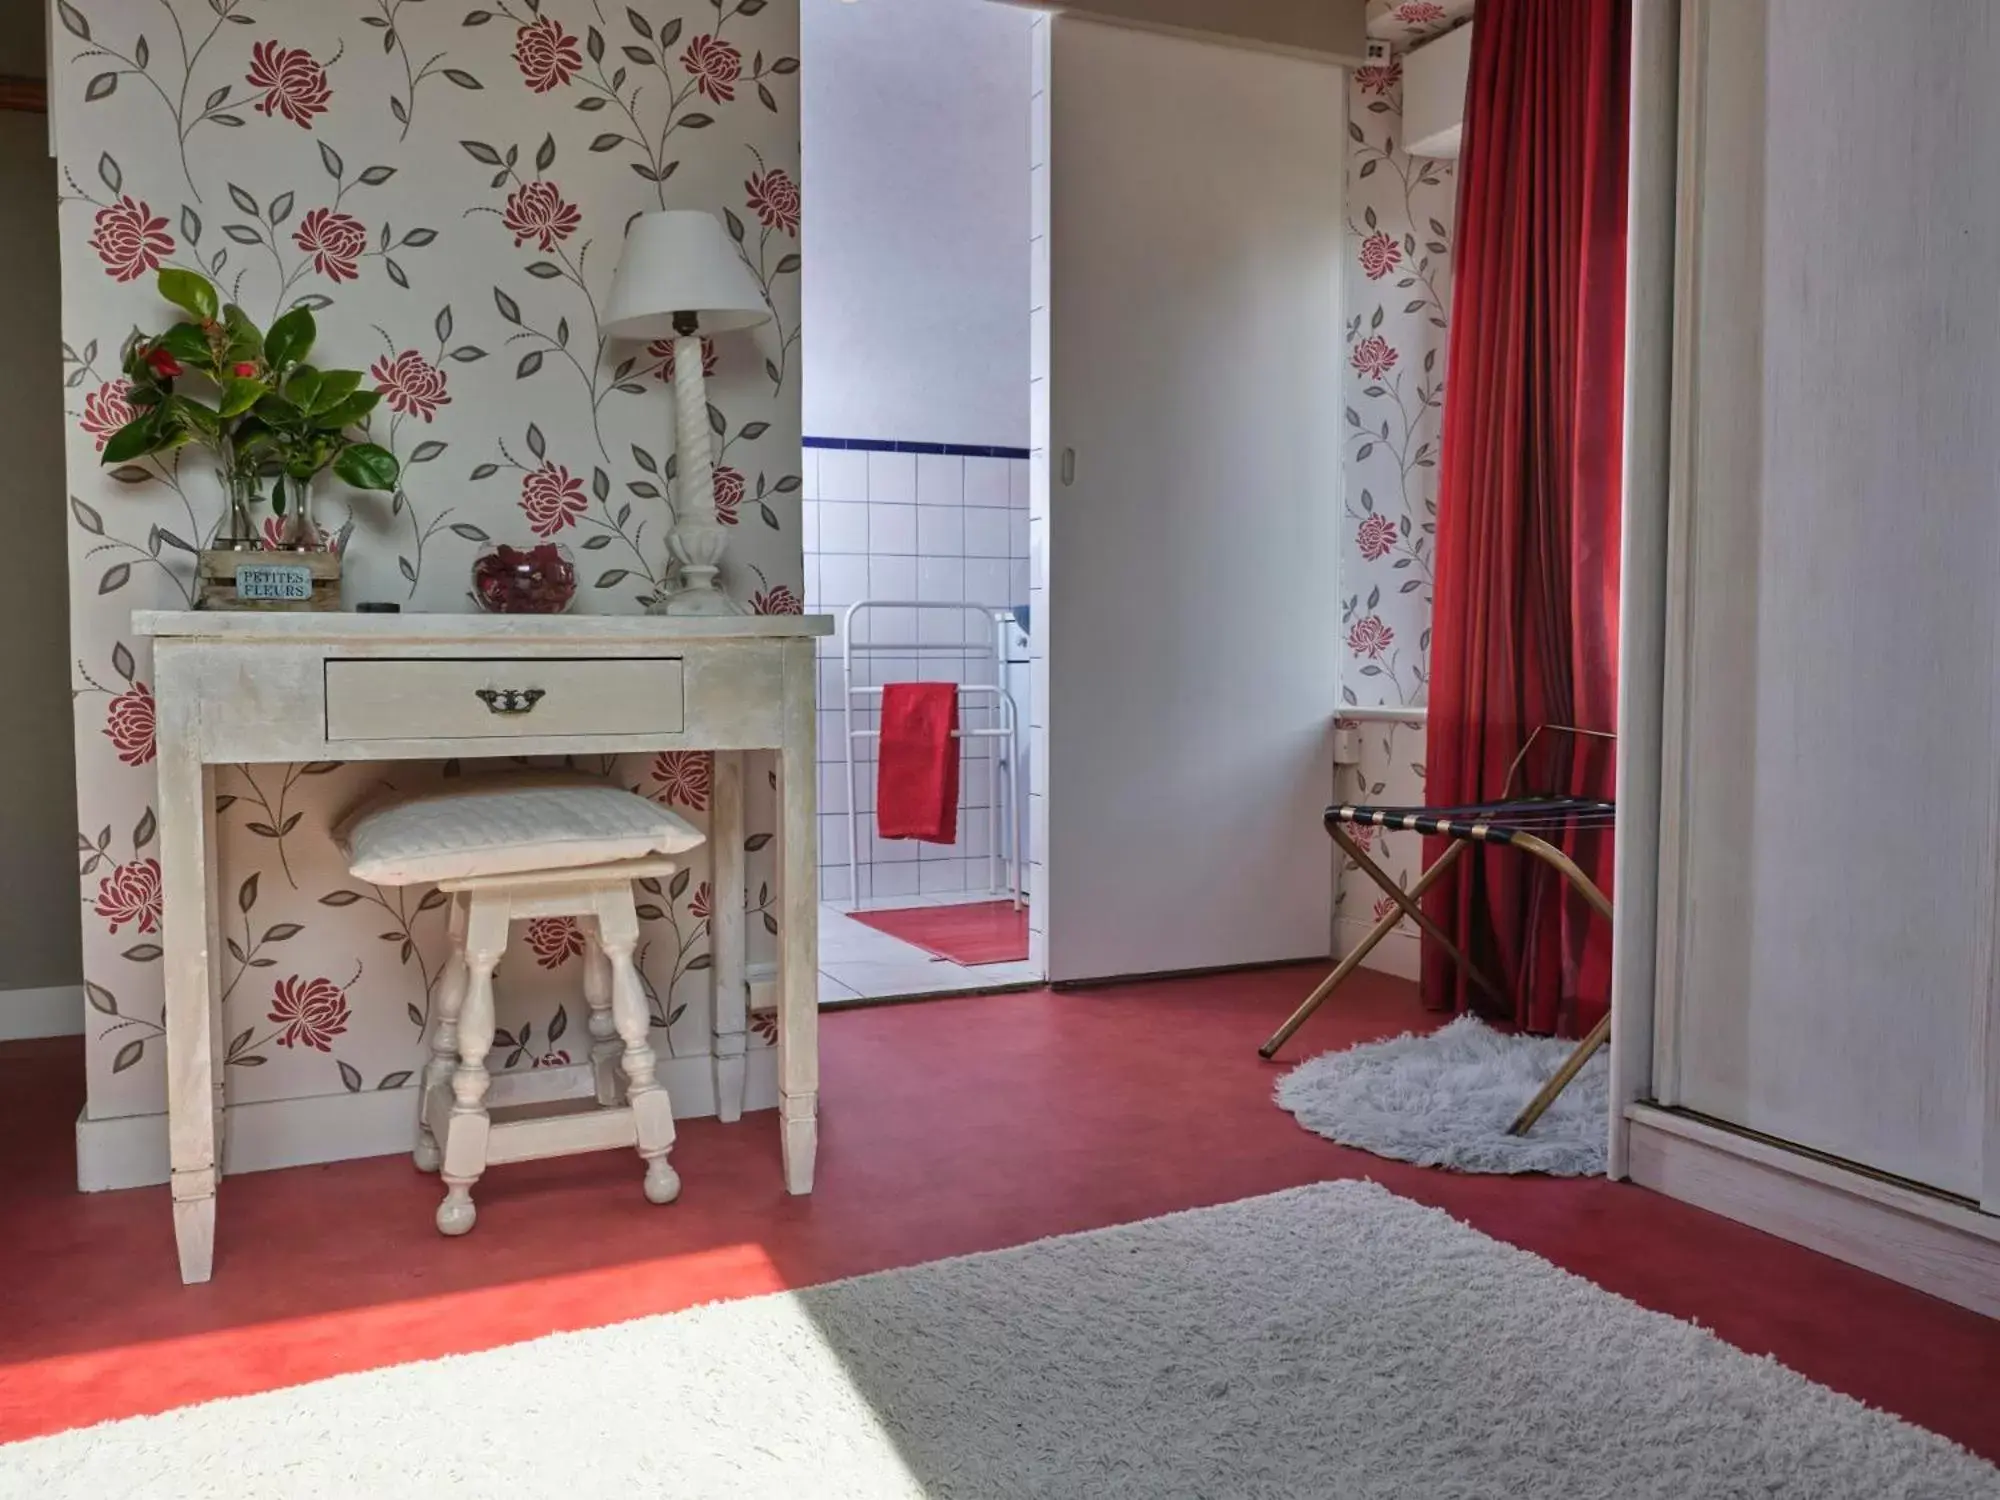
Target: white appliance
(1434, 77)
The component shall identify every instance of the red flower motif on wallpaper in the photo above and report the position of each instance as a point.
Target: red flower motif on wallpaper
(551, 499)
(334, 240)
(410, 384)
(774, 198)
(309, 1012)
(1370, 637)
(728, 494)
(1379, 78)
(685, 776)
(294, 84)
(1363, 835)
(1420, 12)
(536, 211)
(663, 351)
(131, 893)
(1373, 357)
(105, 409)
(1379, 255)
(130, 239)
(555, 940)
(1383, 907)
(129, 724)
(715, 66)
(556, 1059)
(546, 54)
(765, 1024)
(702, 903)
(776, 600)
(1377, 537)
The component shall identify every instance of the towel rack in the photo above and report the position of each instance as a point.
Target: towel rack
(1004, 828)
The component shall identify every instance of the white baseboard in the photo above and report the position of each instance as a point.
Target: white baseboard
(1931, 1243)
(54, 1011)
(132, 1151)
(1400, 953)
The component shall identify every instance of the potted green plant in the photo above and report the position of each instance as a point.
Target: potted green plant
(251, 398)
(301, 426)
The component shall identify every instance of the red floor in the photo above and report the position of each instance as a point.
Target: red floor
(950, 1126)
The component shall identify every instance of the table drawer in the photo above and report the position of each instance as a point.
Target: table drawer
(538, 697)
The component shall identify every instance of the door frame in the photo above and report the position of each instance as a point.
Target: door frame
(1658, 304)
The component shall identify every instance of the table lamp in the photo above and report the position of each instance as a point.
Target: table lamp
(681, 277)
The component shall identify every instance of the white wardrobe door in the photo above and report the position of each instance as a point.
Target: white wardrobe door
(1195, 255)
(1833, 924)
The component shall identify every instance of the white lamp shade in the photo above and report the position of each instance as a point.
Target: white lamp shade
(681, 261)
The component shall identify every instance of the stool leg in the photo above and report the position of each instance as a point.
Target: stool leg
(652, 1111)
(466, 1132)
(603, 1030)
(434, 1093)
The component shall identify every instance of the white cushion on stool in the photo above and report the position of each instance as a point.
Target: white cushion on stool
(507, 829)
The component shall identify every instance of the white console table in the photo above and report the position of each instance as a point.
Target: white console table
(244, 688)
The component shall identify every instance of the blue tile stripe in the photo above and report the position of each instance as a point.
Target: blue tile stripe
(886, 445)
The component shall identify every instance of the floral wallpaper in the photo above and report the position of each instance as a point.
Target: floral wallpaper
(1408, 22)
(446, 182)
(1400, 212)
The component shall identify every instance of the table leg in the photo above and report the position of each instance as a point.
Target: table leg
(186, 857)
(798, 924)
(729, 1012)
(218, 1036)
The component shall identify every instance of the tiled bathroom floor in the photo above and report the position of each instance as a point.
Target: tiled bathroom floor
(858, 963)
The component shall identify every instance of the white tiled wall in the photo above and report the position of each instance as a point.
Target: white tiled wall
(940, 528)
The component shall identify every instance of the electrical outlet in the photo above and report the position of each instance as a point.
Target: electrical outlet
(1379, 52)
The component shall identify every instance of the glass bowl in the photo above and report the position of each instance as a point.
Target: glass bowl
(537, 580)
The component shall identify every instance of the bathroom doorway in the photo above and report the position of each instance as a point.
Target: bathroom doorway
(919, 140)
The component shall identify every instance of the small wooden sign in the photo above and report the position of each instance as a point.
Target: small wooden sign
(273, 583)
(268, 580)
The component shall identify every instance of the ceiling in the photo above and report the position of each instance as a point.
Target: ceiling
(1404, 22)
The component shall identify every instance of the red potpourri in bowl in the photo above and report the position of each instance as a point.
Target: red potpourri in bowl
(539, 580)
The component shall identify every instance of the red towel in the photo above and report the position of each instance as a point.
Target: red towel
(916, 779)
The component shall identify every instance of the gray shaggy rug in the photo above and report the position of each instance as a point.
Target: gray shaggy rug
(1446, 1098)
(1332, 1341)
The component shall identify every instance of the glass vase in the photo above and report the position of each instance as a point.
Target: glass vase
(535, 580)
(238, 529)
(300, 533)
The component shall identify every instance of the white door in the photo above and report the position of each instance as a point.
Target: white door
(1194, 426)
(1833, 818)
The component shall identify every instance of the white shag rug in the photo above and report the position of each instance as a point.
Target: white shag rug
(1329, 1341)
(1446, 1098)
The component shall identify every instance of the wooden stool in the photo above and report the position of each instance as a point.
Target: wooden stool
(454, 1131)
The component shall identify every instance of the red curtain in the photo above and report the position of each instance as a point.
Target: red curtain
(1525, 622)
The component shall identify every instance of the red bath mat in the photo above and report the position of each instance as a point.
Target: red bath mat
(980, 932)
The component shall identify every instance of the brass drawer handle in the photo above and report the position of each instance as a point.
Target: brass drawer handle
(509, 700)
